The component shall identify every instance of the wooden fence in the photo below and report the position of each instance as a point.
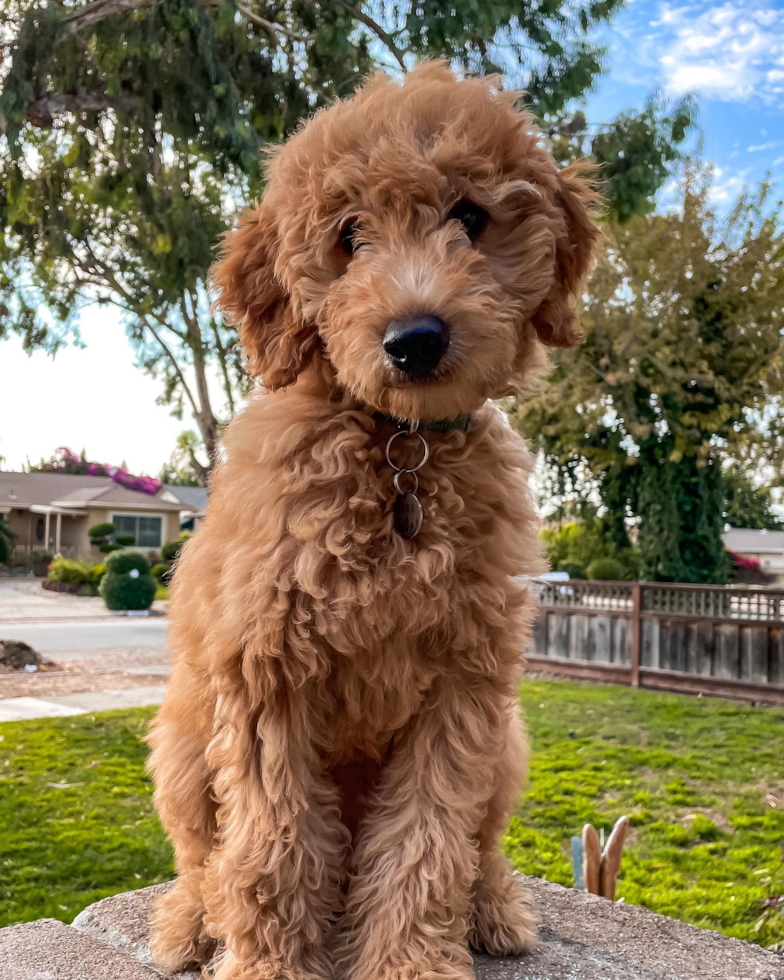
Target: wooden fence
(722, 640)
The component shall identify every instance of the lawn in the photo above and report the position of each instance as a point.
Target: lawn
(698, 778)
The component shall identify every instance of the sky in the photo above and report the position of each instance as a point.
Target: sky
(730, 54)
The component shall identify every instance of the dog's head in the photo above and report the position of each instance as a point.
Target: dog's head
(419, 240)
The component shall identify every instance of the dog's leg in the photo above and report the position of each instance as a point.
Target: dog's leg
(417, 856)
(183, 798)
(503, 921)
(273, 886)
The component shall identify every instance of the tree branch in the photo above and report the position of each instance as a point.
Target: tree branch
(41, 112)
(98, 10)
(269, 25)
(377, 29)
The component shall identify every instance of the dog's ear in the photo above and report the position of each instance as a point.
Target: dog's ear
(576, 196)
(250, 294)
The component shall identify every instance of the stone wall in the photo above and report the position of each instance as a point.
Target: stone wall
(582, 938)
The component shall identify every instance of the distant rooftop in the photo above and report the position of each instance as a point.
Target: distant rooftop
(745, 539)
(24, 490)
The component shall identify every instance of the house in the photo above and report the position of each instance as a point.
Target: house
(766, 546)
(194, 501)
(52, 512)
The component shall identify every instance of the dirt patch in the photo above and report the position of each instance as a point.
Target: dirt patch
(117, 669)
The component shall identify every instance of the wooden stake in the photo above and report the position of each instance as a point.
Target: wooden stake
(611, 859)
(592, 859)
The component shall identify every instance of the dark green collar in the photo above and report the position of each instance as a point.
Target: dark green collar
(459, 423)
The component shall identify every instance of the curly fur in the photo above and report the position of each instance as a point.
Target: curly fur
(339, 748)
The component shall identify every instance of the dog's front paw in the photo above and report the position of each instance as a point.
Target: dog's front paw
(179, 938)
(503, 922)
(228, 967)
(447, 963)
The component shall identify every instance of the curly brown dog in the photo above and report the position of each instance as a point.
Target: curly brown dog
(339, 748)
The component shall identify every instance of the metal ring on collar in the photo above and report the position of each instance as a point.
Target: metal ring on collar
(412, 474)
(425, 449)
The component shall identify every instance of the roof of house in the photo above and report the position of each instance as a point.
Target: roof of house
(64, 490)
(746, 540)
(195, 497)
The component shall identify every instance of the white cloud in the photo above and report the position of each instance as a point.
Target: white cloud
(761, 147)
(726, 188)
(731, 51)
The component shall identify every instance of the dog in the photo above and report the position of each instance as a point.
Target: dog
(339, 748)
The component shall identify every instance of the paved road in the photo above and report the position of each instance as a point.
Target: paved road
(76, 640)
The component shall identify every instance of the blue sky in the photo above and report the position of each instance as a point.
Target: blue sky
(730, 54)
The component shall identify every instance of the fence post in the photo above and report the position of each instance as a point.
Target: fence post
(636, 633)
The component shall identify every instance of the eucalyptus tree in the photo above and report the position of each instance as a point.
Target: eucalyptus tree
(130, 133)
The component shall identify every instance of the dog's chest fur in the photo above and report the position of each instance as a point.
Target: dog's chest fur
(315, 589)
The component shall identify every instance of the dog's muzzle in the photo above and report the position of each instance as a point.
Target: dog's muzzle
(416, 346)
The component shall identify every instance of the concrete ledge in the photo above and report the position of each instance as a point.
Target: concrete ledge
(51, 950)
(582, 938)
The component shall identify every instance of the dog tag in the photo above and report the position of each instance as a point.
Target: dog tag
(408, 515)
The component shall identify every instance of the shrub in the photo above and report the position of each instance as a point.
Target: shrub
(605, 570)
(6, 541)
(185, 536)
(161, 572)
(41, 560)
(97, 572)
(104, 530)
(106, 547)
(572, 568)
(171, 550)
(100, 536)
(125, 540)
(126, 560)
(127, 583)
(69, 571)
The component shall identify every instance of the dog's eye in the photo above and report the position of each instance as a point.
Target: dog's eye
(471, 216)
(348, 237)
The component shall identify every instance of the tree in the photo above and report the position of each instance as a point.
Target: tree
(682, 373)
(130, 133)
(7, 538)
(63, 460)
(182, 467)
(748, 505)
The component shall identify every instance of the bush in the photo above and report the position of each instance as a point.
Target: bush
(572, 568)
(69, 571)
(127, 583)
(171, 550)
(6, 541)
(126, 540)
(97, 572)
(605, 570)
(100, 536)
(41, 560)
(582, 542)
(185, 535)
(126, 560)
(106, 547)
(161, 572)
(104, 530)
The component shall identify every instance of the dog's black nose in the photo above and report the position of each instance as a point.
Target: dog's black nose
(416, 346)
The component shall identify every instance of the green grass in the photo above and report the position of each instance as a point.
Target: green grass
(76, 819)
(76, 816)
(692, 775)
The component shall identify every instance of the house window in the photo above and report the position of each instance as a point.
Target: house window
(147, 532)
